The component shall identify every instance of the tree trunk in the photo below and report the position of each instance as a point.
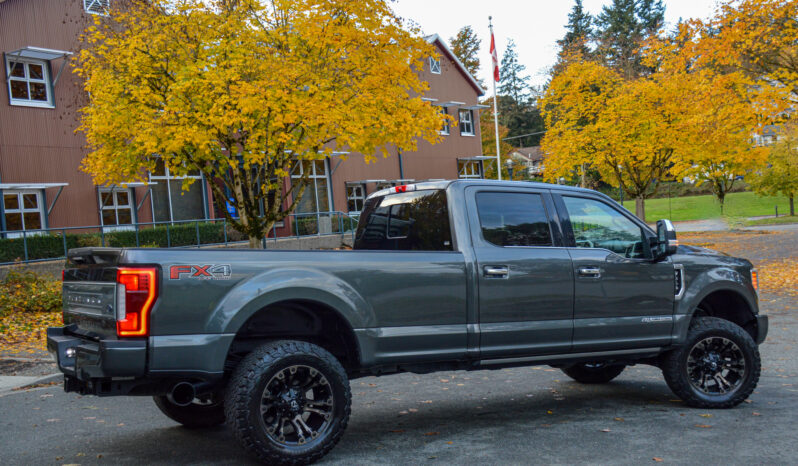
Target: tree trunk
(255, 243)
(640, 208)
(792, 206)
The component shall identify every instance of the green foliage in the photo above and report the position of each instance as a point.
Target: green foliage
(465, 46)
(26, 291)
(781, 174)
(578, 30)
(54, 245)
(621, 28)
(514, 82)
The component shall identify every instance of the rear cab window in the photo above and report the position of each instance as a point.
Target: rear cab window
(411, 221)
(513, 219)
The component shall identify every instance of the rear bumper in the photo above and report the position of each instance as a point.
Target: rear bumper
(761, 328)
(91, 366)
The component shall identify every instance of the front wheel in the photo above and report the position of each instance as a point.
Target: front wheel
(288, 402)
(597, 372)
(717, 367)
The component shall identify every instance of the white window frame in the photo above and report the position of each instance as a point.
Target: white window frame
(116, 207)
(434, 66)
(466, 124)
(354, 195)
(445, 130)
(97, 7)
(169, 178)
(25, 62)
(22, 210)
(472, 169)
(312, 177)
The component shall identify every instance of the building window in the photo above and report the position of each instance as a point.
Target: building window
(96, 7)
(467, 122)
(434, 66)
(23, 210)
(116, 206)
(316, 197)
(28, 82)
(445, 129)
(469, 169)
(170, 203)
(355, 197)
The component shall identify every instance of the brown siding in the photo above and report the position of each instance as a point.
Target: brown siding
(40, 144)
(438, 161)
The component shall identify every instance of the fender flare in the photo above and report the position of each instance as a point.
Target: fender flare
(273, 286)
(704, 284)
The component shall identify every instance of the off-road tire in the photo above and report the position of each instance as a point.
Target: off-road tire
(193, 416)
(674, 364)
(593, 374)
(246, 387)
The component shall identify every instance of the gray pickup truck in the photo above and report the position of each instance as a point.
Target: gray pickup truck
(447, 275)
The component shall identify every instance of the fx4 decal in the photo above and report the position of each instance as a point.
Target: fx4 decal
(201, 272)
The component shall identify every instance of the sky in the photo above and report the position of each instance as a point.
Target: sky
(534, 25)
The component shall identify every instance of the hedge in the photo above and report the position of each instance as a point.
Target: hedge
(52, 245)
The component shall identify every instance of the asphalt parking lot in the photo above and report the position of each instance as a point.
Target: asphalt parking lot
(512, 416)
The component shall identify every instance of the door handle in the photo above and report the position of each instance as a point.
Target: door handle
(590, 272)
(496, 271)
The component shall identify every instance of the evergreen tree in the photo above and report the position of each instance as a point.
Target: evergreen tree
(620, 30)
(514, 83)
(578, 30)
(465, 46)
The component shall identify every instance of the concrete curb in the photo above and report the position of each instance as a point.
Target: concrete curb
(10, 383)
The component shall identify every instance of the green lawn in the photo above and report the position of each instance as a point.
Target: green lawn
(737, 205)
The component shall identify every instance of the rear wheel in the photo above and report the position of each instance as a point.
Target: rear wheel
(593, 372)
(288, 402)
(717, 367)
(201, 413)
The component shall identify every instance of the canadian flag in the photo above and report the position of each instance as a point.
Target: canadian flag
(494, 57)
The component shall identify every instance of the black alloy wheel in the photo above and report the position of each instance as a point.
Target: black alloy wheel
(288, 402)
(718, 365)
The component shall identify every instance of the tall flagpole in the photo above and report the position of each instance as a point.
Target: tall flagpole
(495, 107)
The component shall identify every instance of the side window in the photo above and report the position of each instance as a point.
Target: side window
(597, 225)
(513, 219)
(413, 221)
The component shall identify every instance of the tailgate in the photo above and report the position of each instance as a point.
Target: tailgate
(89, 290)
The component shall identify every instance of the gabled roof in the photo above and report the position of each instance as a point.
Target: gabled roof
(436, 39)
(531, 154)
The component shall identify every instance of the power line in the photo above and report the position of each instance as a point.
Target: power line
(523, 135)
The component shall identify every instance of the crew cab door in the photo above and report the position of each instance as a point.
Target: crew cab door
(622, 299)
(525, 278)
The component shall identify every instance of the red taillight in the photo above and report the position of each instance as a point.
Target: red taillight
(136, 292)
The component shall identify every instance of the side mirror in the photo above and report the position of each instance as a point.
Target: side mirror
(666, 239)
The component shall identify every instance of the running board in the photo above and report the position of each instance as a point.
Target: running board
(638, 353)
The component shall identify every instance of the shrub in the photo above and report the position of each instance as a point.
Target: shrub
(26, 291)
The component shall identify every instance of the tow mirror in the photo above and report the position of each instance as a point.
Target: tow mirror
(666, 239)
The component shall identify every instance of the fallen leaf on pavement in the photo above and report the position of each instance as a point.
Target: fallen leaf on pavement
(432, 433)
(704, 426)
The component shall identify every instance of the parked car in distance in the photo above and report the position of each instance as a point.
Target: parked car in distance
(447, 275)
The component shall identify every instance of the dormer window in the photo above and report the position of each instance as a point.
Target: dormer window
(96, 7)
(434, 66)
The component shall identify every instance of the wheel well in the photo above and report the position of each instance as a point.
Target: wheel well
(728, 305)
(304, 320)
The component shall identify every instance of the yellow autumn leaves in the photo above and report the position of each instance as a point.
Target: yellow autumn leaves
(694, 115)
(241, 91)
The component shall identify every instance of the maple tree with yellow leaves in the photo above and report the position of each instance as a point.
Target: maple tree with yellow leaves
(246, 91)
